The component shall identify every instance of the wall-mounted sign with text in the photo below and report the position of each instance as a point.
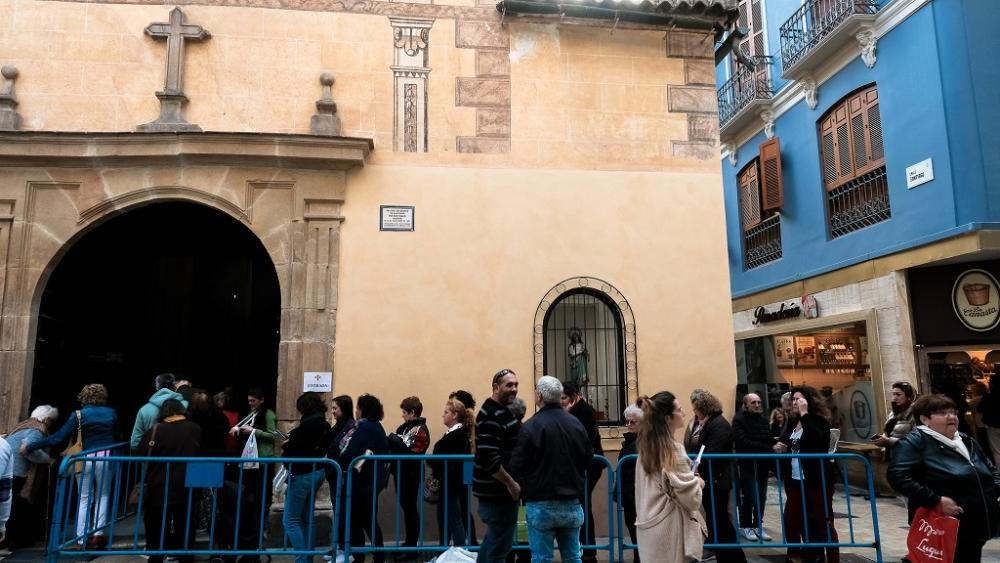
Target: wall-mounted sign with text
(806, 308)
(976, 300)
(396, 218)
(920, 173)
(317, 381)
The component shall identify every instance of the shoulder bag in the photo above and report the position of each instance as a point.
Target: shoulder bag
(137, 489)
(77, 445)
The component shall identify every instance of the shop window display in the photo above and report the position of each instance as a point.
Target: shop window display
(833, 360)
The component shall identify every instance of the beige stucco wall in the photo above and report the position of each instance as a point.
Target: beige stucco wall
(554, 151)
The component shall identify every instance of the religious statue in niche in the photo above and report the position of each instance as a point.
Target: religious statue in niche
(578, 357)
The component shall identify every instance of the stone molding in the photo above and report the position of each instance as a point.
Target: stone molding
(869, 42)
(87, 150)
(628, 327)
(161, 193)
(10, 120)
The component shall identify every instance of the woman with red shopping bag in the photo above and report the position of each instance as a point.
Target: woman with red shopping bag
(939, 468)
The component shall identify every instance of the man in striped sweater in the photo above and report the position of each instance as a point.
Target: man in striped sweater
(498, 493)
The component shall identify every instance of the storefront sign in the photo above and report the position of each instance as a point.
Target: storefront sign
(806, 307)
(976, 300)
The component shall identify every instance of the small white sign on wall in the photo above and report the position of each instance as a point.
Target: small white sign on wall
(317, 381)
(920, 173)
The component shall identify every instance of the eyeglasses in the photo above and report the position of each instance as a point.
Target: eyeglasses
(945, 412)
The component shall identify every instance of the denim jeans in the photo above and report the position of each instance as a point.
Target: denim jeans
(501, 523)
(453, 528)
(299, 500)
(558, 520)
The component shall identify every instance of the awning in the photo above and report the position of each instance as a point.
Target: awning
(694, 14)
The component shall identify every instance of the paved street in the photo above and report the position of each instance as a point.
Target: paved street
(892, 528)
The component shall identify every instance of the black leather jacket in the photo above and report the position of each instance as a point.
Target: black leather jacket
(923, 469)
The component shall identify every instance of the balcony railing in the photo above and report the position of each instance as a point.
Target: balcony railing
(744, 87)
(762, 243)
(860, 203)
(814, 21)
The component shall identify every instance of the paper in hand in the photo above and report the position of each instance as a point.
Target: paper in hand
(697, 460)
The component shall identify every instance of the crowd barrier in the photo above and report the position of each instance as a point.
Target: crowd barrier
(228, 498)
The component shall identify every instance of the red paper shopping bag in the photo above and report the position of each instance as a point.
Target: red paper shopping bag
(932, 537)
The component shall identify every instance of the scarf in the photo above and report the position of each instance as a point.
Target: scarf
(955, 443)
(29, 491)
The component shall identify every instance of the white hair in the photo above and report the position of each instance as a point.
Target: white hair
(45, 412)
(550, 389)
(633, 410)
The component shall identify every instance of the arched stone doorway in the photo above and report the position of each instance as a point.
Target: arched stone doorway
(167, 286)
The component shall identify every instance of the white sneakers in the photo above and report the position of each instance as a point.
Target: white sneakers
(339, 558)
(755, 534)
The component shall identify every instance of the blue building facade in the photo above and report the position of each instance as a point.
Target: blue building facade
(858, 158)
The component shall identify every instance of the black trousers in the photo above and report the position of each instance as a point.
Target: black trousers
(362, 514)
(753, 492)
(25, 521)
(720, 527)
(171, 523)
(410, 495)
(628, 507)
(587, 535)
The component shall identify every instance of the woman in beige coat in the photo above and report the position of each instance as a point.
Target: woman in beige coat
(669, 525)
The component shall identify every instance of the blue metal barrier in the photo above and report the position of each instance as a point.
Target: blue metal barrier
(228, 485)
(785, 485)
(234, 500)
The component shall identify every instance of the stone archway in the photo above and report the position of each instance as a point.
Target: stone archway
(608, 294)
(288, 191)
(134, 295)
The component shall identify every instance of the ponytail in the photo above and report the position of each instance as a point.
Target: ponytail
(657, 447)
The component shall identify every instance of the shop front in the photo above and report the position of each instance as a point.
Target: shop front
(830, 354)
(956, 315)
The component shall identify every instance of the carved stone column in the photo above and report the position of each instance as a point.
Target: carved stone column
(410, 38)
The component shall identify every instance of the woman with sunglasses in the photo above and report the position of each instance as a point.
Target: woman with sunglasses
(936, 466)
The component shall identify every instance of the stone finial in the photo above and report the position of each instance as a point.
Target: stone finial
(176, 33)
(10, 120)
(326, 122)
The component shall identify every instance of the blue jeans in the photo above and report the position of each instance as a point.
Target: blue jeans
(501, 523)
(555, 519)
(454, 527)
(299, 500)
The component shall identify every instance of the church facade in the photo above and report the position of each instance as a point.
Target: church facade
(443, 190)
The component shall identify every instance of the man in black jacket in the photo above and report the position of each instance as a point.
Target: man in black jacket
(752, 435)
(717, 438)
(573, 401)
(550, 462)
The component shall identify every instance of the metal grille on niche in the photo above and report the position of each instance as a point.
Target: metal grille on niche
(584, 343)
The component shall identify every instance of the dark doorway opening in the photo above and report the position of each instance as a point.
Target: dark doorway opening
(170, 286)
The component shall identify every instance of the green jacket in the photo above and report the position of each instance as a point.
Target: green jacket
(265, 438)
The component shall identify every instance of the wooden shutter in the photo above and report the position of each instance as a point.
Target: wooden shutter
(749, 187)
(851, 138)
(772, 190)
(751, 18)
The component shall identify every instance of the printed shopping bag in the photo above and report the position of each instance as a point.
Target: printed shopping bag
(250, 451)
(932, 537)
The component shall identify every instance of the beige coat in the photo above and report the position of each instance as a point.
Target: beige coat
(668, 505)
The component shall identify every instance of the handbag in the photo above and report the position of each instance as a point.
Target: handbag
(76, 446)
(432, 489)
(137, 489)
(932, 538)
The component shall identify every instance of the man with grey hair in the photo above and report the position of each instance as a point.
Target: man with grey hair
(550, 463)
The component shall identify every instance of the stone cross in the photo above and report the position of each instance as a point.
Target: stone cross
(172, 98)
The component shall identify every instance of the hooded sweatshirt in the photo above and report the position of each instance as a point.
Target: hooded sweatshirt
(149, 412)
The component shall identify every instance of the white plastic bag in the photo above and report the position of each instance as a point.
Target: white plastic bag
(455, 555)
(250, 451)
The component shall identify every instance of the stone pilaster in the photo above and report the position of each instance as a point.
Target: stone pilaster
(410, 40)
